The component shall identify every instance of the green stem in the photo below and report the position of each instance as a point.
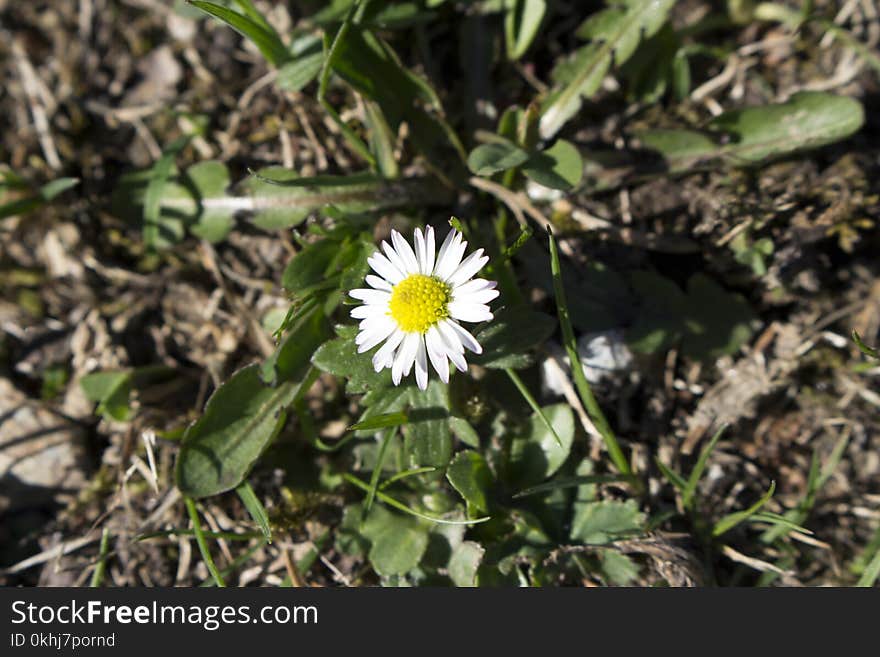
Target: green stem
(98, 575)
(377, 470)
(577, 369)
(527, 395)
(203, 544)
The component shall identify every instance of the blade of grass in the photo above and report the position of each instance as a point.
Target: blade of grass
(255, 509)
(263, 37)
(407, 473)
(730, 521)
(569, 482)
(324, 81)
(524, 391)
(872, 572)
(577, 369)
(400, 506)
(100, 567)
(377, 470)
(671, 475)
(687, 495)
(203, 544)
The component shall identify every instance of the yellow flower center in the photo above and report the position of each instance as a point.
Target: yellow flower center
(418, 302)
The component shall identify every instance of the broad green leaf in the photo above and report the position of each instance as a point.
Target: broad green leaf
(398, 542)
(281, 199)
(428, 438)
(214, 217)
(615, 34)
(607, 520)
(161, 230)
(111, 391)
(464, 431)
(470, 476)
(251, 26)
(464, 563)
(618, 568)
(534, 454)
(240, 420)
(755, 134)
(339, 357)
(559, 167)
(296, 74)
(488, 159)
(521, 24)
(508, 338)
(310, 266)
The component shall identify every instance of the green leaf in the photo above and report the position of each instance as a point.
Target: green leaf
(339, 357)
(605, 521)
(521, 24)
(690, 489)
(470, 476)
(618, 568)
(865, 349)
(310, 266)
(488, 159)
(615, 34)
(255, 508)
(213, 220)
(428, 439)
(464, 563)
(42, 196)
(240, 420)
(755, 134)
(731, 520)
(160, 230)
(111, 391)
(534, 454)
(296, 74)
(559, 167)
(383, 421)
(510, 335)
(464, 431)
(251, 26)
(398, 542)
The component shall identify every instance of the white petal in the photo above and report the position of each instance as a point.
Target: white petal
(475, 298)
(383, 266)
(395, 259)
(444, 249)
(368, 340)
(437, 353)
(377, 297)
(384, 357)
(404, 250)
(448, 262)
(454, 348)
(469, 312)
(430, 250)
(374, 322)
(474, 285)
(421, 255)
(378, 283)
(369, 310)
(466, 338)
(471, 265)
(422, 365)
(405, 356)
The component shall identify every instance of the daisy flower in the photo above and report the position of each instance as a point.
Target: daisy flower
(416, 302)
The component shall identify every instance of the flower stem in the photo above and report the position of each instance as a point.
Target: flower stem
(577, 368)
